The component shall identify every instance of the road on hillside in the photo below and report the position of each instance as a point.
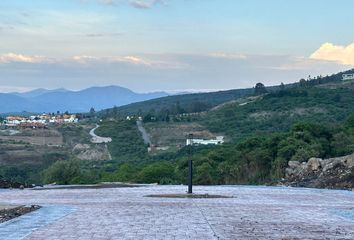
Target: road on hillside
(98, 139)
(144, 134)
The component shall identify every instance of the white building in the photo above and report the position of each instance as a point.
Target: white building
(218, 141)
(348, 77)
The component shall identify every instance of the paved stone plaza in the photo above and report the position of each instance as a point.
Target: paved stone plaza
(124, 213)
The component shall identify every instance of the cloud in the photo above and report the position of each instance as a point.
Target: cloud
(12, 57)
(228, 55)
(145, 4)
(107, 2)
(150, 72)
(100, 35)
(132, 60)
(153, 61)
(141, 4)
(330, 52)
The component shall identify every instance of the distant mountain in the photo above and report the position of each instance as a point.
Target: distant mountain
(43, 100)
(38, 92)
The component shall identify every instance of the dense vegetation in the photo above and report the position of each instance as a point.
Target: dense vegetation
(278, 111)
(293, 124)
(127, 144)
(256, 160)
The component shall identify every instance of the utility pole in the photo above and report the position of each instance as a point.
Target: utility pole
(190, 165)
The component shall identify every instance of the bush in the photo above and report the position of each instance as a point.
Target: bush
(62, 172)
(156, 173)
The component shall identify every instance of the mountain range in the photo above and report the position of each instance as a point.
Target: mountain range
(43, 100)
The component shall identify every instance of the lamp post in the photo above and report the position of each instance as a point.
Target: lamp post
(190, 165)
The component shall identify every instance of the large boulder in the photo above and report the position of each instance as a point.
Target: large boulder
(321, 173)
(314, 164)
(349, 160)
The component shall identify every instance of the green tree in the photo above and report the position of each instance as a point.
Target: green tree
(62, 172)
(156, 172)
(260, 89)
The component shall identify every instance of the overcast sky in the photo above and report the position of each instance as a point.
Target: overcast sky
(173, 45)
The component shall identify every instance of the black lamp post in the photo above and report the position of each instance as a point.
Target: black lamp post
(190, 165)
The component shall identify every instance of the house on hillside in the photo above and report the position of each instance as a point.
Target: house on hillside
(348, 77)
(218, 141)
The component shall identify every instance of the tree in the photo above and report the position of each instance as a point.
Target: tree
(156, 172)
(282, 86)
(303, 82)
(260, 89)
(92, 112)
(62, 172)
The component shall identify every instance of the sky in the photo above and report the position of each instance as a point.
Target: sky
(171, 45)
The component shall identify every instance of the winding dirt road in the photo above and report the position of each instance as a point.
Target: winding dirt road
(98, 139)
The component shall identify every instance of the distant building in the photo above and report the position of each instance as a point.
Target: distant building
(218, 141)
(38, 121)
(348, 77)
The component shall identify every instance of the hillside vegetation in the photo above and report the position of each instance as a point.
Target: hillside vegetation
(264, 134)
(187, 103)
(278, 111)
(264, 129)
(289, 124)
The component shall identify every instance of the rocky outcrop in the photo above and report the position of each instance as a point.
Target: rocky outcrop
(92, 152)
(10, 213)
(11, 184)
(336, 173)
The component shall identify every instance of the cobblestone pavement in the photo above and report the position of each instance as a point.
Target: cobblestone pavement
(253, 213)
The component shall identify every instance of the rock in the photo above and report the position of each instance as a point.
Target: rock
(349, 160)
(11, 184)
(332, 164)
(293, 164)
(81, 147)
(314, 164)
(335, 173)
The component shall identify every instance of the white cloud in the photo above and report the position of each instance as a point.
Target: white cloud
(330, 52)
(130, 59)
(149, 72)
(143, 4)
(108, 2)
(153, 62)
(12, 57)
(228, 55)
(84, 59)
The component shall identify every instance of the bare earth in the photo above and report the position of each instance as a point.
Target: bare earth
(252, 213)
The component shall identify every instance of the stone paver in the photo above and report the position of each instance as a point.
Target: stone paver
(19, 228)
(253, 213)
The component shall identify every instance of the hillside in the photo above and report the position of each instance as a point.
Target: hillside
(278, 111)
(200, 102)
(263, 133)
(197, 102)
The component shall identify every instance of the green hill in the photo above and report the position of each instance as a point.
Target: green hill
(264, 133)
(179, 103)
(200, 102)
(278, 111)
